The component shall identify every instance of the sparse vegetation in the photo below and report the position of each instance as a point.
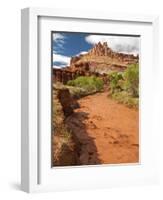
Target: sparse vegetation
(131, 80)
(63, 144)
(125, 98)
(64, 151)
(76, 92)
(58, 119)
(87, 85)
(115, 81)
(124, 86)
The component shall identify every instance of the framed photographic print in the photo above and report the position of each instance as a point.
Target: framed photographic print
(88, 100)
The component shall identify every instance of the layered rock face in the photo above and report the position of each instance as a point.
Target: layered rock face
(98, 61)
(66, 74)
(101, 50)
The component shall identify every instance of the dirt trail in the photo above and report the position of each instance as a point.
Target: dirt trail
(107, 131)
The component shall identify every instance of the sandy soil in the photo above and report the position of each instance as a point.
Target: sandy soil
(108, 132)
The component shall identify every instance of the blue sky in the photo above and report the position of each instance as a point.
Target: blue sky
(65, 45)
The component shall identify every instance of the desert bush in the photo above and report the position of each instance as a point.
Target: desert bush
(115, 81)
(131, 80)
(78, 92)
(125, 98)
(124, 86)
(89, 84)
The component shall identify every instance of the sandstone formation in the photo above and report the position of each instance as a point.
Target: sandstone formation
(98, 61)
(103, 50)
(68, 103)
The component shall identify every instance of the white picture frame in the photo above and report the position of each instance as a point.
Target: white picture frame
(36, 171)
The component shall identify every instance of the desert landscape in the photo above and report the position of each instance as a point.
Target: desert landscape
(95, 113)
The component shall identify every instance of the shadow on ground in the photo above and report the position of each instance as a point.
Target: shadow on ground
(87, 151)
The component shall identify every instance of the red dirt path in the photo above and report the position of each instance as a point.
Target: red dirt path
(107, 131)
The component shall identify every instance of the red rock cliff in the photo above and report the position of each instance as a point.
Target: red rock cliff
(99, 60)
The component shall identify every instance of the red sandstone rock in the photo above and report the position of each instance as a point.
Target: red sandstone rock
(78, 67)
(66, 101)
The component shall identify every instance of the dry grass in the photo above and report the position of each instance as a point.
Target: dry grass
(63, 146)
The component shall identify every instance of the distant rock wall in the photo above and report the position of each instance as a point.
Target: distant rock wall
(103, 50)
(78, 67)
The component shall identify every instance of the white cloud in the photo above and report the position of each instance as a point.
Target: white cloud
(58, 67)
(62, 59)
(121, 44)
(57, 36)
(82, 53)
(59, 40)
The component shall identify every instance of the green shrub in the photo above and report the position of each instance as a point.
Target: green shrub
(115, 81)
(71, 83)
(78, 92)
(125, 98)
(89, 84)
(124, 86)
(131, 77)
